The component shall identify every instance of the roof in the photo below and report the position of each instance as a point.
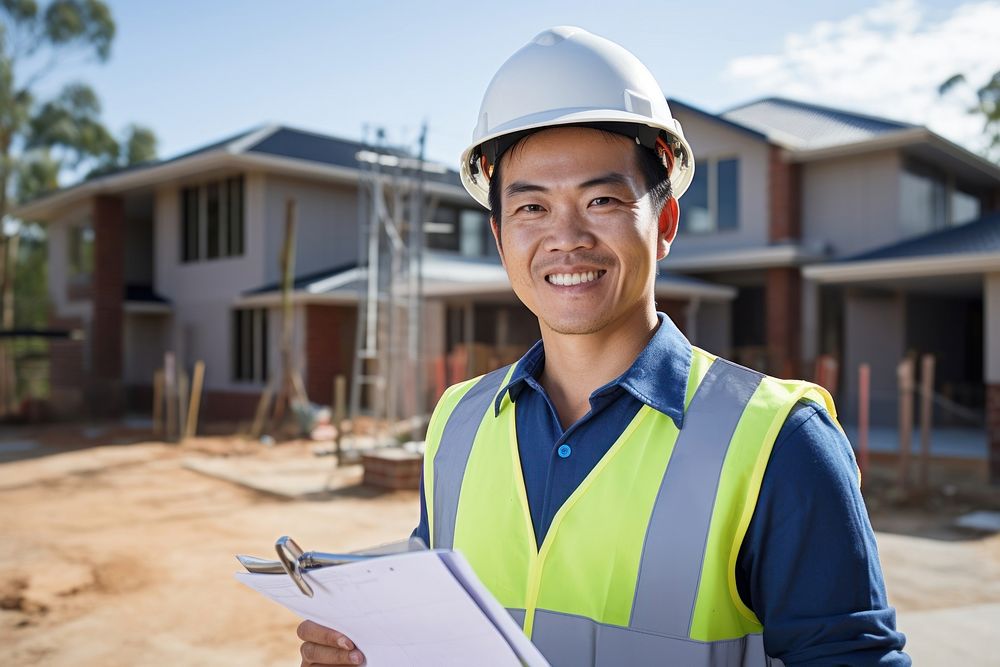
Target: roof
(677, 105)
(448, 274)
(804, 126)
(302, 145)
(274, 147)
(980, 236)
(971, 249)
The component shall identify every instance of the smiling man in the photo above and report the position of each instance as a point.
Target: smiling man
(630, 498)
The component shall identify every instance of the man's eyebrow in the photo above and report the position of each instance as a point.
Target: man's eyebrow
(611, 178)
(517, 187)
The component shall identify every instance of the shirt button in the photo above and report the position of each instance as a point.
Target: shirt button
(564, 451)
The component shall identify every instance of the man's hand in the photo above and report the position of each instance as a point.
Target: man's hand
(323, 646)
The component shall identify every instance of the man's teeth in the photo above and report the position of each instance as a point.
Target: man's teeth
(574, 278)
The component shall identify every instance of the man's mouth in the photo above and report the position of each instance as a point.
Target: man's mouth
(574, 278)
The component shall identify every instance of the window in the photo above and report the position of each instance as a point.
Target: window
(712, 202)
(922, 205)
(462, 230)
(212, 224)
(965, 207)
(930, 199)
(249, 338)
(80, 254)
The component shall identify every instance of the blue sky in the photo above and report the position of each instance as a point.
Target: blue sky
(198, 71)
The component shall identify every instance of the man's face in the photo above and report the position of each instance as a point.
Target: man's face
(580, 238)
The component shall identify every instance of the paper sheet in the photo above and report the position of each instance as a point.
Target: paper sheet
(408, 610)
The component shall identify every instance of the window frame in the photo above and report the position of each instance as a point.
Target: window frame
(710, 165)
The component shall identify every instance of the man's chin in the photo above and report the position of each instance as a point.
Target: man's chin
(575, 326)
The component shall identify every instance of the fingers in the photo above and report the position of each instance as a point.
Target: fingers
(326, 646)
(316, 655)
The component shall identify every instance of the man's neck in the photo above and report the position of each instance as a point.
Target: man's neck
(576, 365)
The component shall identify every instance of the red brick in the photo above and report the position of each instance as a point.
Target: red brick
(228, 406)
(784, 316)
(785, 197)
(106, 391)
(676, 309)
(993, 430)
(392, 469)
(329, 344)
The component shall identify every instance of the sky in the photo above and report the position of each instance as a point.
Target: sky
(196, 71)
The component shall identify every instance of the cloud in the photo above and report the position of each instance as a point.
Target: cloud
(888, 60)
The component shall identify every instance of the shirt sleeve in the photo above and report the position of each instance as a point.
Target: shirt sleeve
(809, 565)
(423, 528)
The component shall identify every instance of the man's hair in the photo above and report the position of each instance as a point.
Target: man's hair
(654, 173)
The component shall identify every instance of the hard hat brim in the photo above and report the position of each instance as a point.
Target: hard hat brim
(478, 185)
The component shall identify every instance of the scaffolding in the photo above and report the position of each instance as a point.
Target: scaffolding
(388, 370)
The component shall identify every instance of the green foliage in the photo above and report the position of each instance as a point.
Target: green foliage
(39, 138)
(987, 105)
(31, 284)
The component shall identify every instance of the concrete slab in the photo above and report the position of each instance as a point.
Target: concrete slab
(294, 478)
(987, 522)
(956, 636)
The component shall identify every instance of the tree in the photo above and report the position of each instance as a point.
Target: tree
(38, 139)
(987, 105)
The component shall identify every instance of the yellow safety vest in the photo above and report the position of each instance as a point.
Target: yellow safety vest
(638, 566)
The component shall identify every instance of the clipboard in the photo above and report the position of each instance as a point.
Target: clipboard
(295, 562)
(401, 603)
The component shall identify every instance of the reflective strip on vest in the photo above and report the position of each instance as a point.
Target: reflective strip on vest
(450, 462)
(672, 557)
(673, 552)
(570, 641)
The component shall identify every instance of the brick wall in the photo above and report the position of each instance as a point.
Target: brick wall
(106, 391)
(784, 316)
(785, 198)
(66, 371)
(993, 430)
(676, 309)
(329, 341)
(228, 406)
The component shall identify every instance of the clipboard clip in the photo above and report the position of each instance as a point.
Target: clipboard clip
(295, 562)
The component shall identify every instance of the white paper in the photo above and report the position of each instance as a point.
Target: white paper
(408, 610)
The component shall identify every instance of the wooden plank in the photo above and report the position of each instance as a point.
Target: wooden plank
(191, 427)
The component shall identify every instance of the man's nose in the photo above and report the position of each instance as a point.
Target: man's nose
(567, 231)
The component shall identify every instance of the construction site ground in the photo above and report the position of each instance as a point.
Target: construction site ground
(118, 550)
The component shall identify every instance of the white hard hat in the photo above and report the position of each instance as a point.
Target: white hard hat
(568, 76)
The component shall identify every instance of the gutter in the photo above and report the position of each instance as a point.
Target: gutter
(910, 267)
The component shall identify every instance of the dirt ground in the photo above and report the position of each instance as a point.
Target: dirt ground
(116, 554)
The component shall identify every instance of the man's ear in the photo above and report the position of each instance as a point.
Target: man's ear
(670, 217)
(495, 228)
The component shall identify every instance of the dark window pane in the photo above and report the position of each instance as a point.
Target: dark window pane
(695, 216)
(442, 231)
(212, 220)
(189, 225)
(729, 194)
(235, 214)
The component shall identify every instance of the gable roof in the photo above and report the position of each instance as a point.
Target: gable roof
(677, 105)
(969, 249)
(804, 126)
(981, 236)
(268, 147)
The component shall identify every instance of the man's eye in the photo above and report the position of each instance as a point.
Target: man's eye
(601, 201)
(530, 208)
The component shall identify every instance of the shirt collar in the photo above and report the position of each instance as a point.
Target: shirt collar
(658, 377)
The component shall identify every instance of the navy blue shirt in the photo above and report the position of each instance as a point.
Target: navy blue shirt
(808, 566)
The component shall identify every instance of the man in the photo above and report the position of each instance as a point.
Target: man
(629, 498)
